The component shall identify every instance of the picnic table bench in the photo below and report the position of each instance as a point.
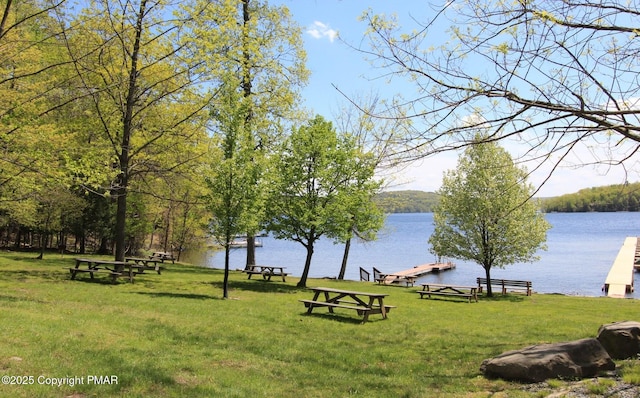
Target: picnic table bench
(363, 303)
(267, 271)
(409, 280)
(146, 264)
(162, 256)
(435, 289)
(115, 269)
(505, 284)
(94, 266)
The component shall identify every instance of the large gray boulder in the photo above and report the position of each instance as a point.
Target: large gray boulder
(621, 339)
(572, 360)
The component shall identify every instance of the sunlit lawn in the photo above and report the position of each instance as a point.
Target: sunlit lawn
(172, 335)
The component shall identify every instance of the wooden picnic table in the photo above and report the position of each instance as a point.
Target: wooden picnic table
(162, 256)
(362, 302)
(267, 271)
(93, 266)
(436, 289)
(114, 269)
(146, 264)
(384, 279)
(409, 280)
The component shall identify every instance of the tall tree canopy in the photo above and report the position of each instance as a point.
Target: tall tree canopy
(142, 88)
(117, 99)
(253, 50)
(560, 76)
(485, 214)
(232, 178)
(32, 80)
(321, 184)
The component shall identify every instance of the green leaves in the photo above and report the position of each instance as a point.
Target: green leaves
(322, 186)
(485, 213)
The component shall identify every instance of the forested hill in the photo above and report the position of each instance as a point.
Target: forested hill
(609, 198)
(407, 201)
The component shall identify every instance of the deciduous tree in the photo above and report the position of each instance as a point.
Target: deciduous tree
(231, 180)
(319, 185)
(254, 48)
(30, 70)
(143, 85)
(485, 214)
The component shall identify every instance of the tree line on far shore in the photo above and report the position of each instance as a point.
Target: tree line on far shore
(621, 197)
(409, 201)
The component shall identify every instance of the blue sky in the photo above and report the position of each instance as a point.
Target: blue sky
(329, 59)
(331, 62)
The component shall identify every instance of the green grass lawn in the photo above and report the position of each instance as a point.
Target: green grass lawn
(172, 335)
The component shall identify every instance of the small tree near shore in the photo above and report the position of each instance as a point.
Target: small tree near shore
(321, 186)
(485, 213)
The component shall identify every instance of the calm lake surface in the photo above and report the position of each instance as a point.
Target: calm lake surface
(581, 249)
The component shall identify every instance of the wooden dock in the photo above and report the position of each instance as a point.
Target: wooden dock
(620, 278)
(418, 271)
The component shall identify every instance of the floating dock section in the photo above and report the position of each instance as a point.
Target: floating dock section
(418, 271)
(620, 278)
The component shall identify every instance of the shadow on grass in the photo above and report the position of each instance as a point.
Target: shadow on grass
(260, 285)
(452, 300)
(180, 295)
(514, 298)
(99, 280)
(22, 275)
(178, 268)
(130, 373)
(15, 299)
(344, 317)
(49, 261)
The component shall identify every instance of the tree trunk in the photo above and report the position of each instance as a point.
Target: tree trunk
(104, 245)
(251, 251)
(345, 257)
(153, 232)
(121, 219)
(127, 129)
(307, 265)
(167, 231)
(18, 238)
(487, 272)
(248, 93)
(43, 244)
(83, 241)
(225, 283)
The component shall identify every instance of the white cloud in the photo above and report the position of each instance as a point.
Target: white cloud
(319, 30)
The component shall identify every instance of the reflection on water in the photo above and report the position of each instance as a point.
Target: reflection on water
(581, 249)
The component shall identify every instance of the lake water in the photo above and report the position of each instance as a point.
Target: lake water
(581, 250)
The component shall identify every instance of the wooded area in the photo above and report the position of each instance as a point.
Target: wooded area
(146, 125)
(625, 197)
(407, 201)
(622, 197)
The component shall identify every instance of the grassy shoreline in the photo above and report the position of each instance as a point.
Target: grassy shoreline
(172, 335)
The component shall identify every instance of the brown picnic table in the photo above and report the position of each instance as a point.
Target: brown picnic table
(384, 279)
(114, 269)
(93, 266)
(362, 302)
(162, 257)
(146, 264)
(267, 271)
(435, 289)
